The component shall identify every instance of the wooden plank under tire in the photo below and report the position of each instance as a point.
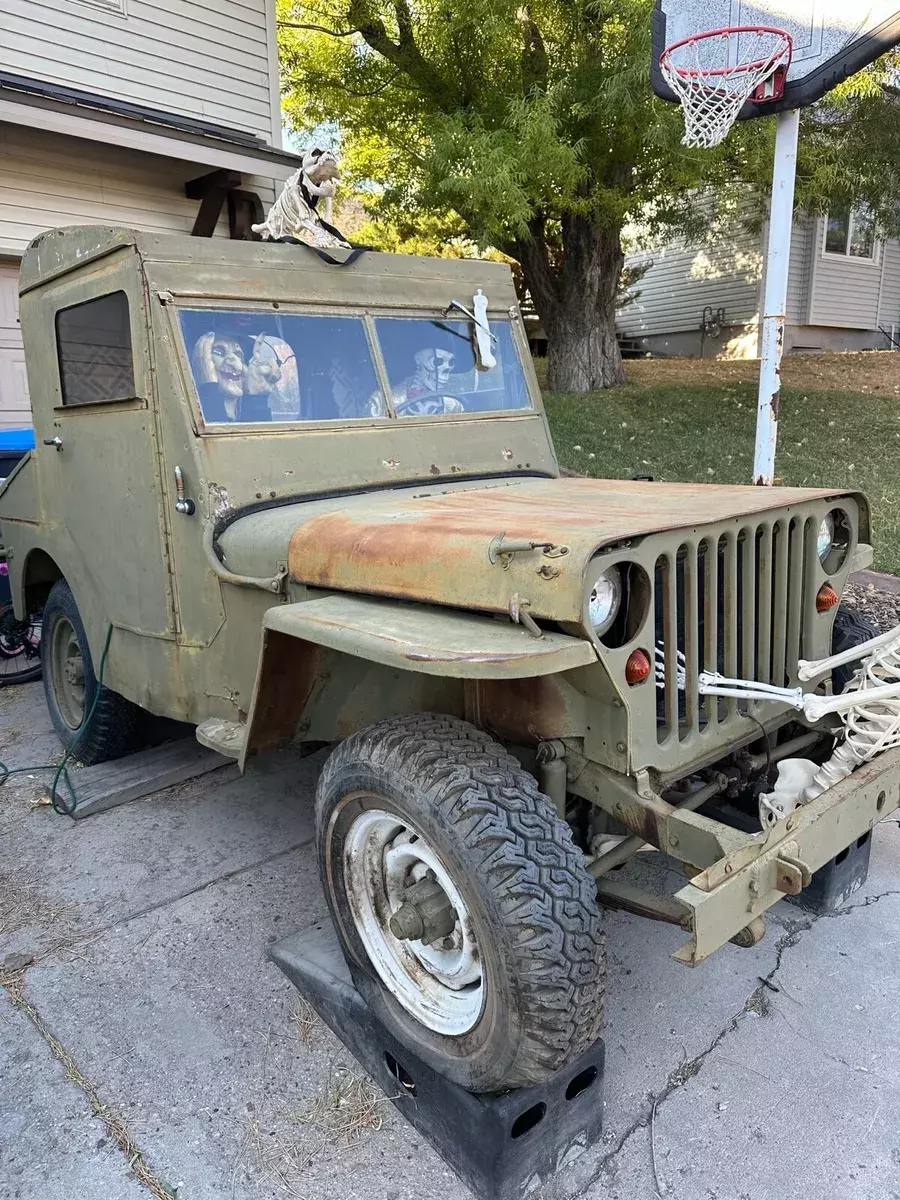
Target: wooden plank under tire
(135, 776)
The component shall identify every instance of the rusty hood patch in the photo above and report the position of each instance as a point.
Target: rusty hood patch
(434, 546)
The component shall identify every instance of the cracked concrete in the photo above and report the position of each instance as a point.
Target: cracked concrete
(764, 1073)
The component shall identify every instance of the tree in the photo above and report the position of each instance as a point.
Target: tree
(531, 128)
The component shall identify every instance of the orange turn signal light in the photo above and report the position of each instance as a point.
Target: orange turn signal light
(826, 598)
(638, 667)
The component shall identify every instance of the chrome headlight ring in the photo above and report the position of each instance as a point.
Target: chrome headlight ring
(604, 600)
(825, 537)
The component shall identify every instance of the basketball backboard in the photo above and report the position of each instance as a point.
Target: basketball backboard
(832, 39)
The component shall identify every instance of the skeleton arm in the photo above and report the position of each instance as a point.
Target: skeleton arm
(878, 650)
(885, 642)
(869, 709)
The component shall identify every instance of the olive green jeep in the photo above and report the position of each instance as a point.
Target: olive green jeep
(307, 503)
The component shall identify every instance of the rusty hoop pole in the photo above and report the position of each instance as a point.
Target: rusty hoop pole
(778, 258)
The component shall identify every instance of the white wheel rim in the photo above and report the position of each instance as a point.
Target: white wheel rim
(441, 986)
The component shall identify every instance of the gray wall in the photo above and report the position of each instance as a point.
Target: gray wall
(212, 59)
(683, 279)
(833, 303)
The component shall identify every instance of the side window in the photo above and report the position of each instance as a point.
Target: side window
(93, 342)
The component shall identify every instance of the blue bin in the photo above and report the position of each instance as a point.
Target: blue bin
(14, 444)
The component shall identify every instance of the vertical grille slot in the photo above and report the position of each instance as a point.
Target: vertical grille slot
(730, 613)
(666, 639)
(691, 642)
(780, 544)
(711, 613)
(764, 540)
(797, 585)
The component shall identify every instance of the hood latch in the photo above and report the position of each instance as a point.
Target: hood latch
(502, 550)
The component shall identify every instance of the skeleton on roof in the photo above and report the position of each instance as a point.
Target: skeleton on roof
(294, 212)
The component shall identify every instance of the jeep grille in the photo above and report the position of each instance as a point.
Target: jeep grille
(733, 602)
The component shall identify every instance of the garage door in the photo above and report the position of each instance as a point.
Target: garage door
(14, 407)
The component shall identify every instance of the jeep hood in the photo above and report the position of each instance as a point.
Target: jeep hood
(432, 544)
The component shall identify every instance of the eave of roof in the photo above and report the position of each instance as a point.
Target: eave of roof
(41, 104)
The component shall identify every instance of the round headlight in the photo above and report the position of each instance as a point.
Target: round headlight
(604, 601)
(825, 537)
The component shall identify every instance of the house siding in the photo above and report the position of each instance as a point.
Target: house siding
(48, 180)
(798, 271)
(844, 291)
(889, 306)
(204, 60)
(684, 279)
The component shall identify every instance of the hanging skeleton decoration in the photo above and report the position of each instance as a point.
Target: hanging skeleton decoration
(294, 214)
(869, 709)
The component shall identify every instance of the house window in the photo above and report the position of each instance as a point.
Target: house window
(93, 341)
(850, 233)
(110, 6)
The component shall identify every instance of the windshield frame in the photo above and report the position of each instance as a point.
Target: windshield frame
(367, 314)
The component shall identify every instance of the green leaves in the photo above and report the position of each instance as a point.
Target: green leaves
(530, 126)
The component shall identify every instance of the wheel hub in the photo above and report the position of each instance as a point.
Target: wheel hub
(67, 667)
(425, 915)
(413, 922)
(74, 669)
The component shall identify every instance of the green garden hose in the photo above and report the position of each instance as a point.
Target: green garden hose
(61, 805)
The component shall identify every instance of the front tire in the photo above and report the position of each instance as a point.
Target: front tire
(70, 686)
(850, 629)
(503, 984)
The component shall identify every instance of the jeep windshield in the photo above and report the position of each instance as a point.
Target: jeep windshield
(253, 366)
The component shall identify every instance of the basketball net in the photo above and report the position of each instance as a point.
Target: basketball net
(712, 88)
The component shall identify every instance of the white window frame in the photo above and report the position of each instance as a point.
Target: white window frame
(845, 254)
(115, 8)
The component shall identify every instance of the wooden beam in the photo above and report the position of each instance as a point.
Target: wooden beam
(210, 190)
(244, 209)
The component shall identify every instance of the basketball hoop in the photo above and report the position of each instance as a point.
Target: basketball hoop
(712, 87)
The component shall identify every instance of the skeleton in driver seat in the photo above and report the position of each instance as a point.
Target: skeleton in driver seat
(422, 393)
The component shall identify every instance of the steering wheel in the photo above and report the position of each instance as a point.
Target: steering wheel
(427, 404)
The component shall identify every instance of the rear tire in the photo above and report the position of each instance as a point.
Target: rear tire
(512, 989)
(70, 686)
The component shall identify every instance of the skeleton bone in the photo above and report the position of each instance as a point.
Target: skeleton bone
(869, 708)
(294, 212)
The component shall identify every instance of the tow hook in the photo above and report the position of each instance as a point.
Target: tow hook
(792, 875)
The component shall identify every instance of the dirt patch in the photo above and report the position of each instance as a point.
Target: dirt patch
(286, 1145)
(858, 371)
(23, 905)
(882, 608)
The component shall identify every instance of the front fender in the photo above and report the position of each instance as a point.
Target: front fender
(395, 634)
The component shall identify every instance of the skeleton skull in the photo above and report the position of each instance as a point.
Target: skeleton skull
(433, 368)
(320, 170)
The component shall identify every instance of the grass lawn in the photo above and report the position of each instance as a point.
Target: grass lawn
(682, 419)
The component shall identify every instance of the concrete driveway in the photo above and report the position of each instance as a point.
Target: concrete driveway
(148, 1047)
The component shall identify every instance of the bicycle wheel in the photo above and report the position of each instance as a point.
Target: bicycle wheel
(20, 647)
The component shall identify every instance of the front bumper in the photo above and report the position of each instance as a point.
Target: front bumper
(725, 897)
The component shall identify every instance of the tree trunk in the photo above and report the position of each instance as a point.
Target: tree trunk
(582, 351)
(576, 301)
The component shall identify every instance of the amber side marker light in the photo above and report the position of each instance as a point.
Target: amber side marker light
(637, 668)
(826, 598)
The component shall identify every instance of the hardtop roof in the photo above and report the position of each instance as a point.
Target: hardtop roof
(59, 251)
